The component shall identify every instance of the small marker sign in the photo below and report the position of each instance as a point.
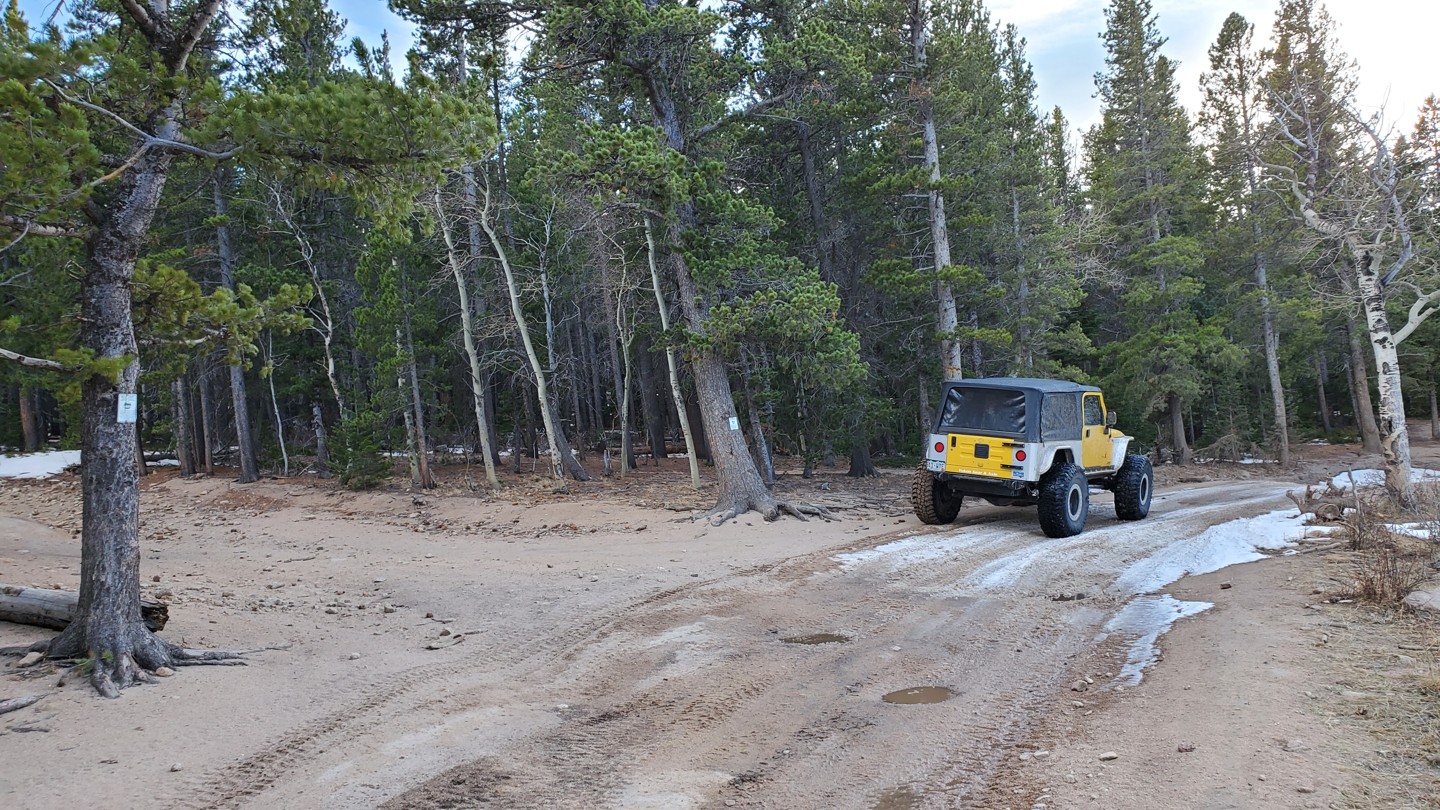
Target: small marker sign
(734, 423)
(127, 409)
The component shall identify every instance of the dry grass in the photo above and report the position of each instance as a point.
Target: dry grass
(1388, 659)
(1390, 563)
(1388, 684)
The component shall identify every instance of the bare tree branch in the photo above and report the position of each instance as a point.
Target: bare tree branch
(142, 18)
(194, 29)
(33, 362)
(745, 112)
(28, 226)
(148, 141)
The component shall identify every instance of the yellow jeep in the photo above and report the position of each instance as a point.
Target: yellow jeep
(1019, 441)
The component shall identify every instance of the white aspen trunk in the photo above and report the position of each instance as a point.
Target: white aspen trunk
(947, 320)
(275, 405)
(322, 446)
(1277, 387)
(558, 464)
(326, 321)
(472, 351)
(763, 457)
(618, 339)
(422, 440)
(1394, 433)
(670, 360)
(1321, 372)
(627, 450)
(411, 444)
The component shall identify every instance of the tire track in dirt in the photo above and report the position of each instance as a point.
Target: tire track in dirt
(719, 696)
(247, 778)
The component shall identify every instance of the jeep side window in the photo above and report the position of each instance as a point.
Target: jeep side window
(1094, 414)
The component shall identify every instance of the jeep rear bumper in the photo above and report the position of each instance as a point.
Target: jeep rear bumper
(986, 487)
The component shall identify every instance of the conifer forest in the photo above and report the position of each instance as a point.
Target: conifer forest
(570, 236)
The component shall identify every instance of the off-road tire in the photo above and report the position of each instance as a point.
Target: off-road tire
(933, 502)
(1134, 485)
(1064, 501)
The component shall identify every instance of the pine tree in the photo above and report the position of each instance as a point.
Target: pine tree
(1232, 118)
(1145, 176)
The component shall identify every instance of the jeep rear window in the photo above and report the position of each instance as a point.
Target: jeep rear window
(984, 410)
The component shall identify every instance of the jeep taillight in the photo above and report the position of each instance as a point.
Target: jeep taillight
(1019, 455)
(939, 447)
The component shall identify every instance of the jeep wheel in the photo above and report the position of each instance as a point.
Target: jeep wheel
(1064, 501)
(1133, 485)
(932, 499)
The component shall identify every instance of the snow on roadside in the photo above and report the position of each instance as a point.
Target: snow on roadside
(1147, 616)
(1420, 531)
(1234, 541)
(1376, 478)
(1145, 619)
(38, 465)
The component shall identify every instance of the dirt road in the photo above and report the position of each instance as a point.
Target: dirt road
(608, 656)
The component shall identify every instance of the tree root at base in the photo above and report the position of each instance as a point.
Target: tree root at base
(772, 509)
(16, 704)
(127, 658)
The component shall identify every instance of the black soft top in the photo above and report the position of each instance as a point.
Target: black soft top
(1022, 408)
(1025, 384)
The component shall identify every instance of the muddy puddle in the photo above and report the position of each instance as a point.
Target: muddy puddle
(919, 695)
(817, 638)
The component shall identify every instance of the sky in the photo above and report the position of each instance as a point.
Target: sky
(1389, 39)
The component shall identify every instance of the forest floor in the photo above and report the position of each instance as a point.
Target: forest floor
(599, 648)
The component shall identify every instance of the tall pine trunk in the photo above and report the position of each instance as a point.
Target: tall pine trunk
(1360, 388)
(184, 445)
(651, 400)
(207, 422)
(1321, 372)
(947, 319)
(29, 421)
(1176, 406)
(107, 628)
(244, 437)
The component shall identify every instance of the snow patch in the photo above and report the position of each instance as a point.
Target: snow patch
(1421, 531)
(1229, 543)
(917, 550)
(1145, 619)
(38, 465)
(1376, 478)
(1006, 571)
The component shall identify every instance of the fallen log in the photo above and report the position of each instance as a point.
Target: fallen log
(1329, 505)
(43, 607)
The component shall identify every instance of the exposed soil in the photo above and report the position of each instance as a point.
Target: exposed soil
(598, 648)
